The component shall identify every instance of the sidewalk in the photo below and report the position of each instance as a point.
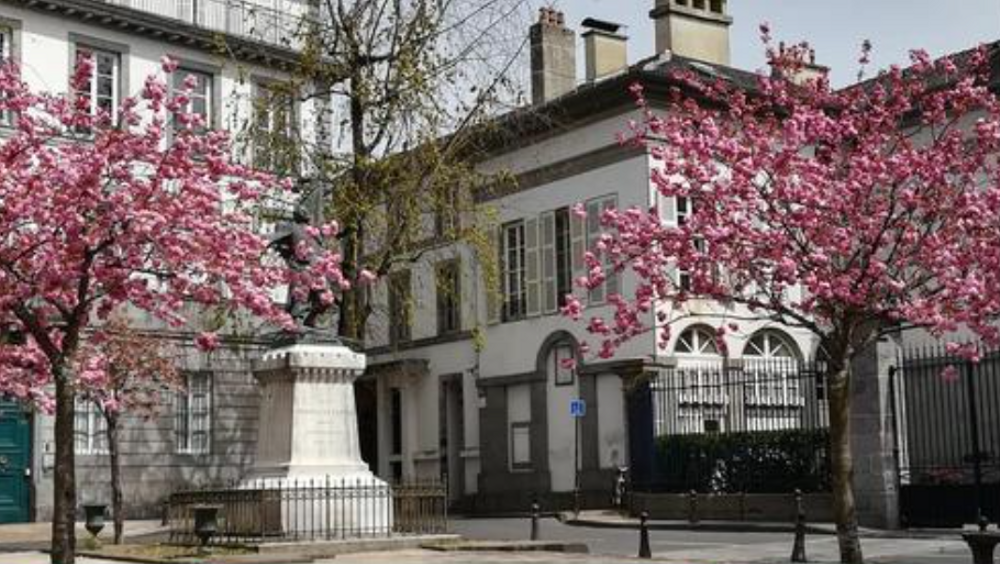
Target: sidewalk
(613, 519)
(35, 536)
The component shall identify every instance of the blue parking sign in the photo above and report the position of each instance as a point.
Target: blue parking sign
(577, 408)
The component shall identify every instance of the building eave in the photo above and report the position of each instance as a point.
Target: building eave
(174, 31)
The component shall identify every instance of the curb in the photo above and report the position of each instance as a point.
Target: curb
(708, 526)
(509, 546)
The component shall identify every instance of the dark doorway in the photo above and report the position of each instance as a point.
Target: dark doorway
(366, 401)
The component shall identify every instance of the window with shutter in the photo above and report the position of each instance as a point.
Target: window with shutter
(513, 273)
(548, 259)
(595, 208)
(532, 280)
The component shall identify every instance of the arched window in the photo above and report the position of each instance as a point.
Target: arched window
(697, 340)
(771, 344)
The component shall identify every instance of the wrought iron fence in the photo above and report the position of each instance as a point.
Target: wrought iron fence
(739, 426)
(947, 422)
(327, 509)
(278, 22)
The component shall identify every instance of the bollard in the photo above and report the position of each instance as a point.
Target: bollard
(534, 521)
(644, 551)
(692, 507)
(799, 548)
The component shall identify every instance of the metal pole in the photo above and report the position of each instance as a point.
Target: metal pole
(534, 521)
(977, 466)
(799, 548)
(576, 466)
(644, 551)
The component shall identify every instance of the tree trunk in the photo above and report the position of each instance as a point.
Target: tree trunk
(114, 459)
(845, 515)
(64, 483)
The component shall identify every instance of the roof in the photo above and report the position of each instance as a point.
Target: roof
(657, 74)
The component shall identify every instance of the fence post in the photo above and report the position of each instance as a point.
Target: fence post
(977, 465)
(534, 521)
(799, 548)
(692, 507)
(644, 551)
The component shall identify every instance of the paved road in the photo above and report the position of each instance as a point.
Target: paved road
(609, 546)
(610, 541)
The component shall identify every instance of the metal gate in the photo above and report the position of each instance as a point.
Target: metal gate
(948, 438)
(15, 457)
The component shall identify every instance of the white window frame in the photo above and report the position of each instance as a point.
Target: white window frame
(177, 85)
(116, 77)
(6, 54)
(265, 104)
(90, 429)
(189, 421)
(513, 262)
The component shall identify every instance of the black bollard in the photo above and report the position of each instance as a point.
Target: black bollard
(644, 551)
(534, 521)
(799, 548)
(693, 507)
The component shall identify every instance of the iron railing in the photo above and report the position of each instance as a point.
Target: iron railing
(947, 436)
(749, 426)
(315, 509)
(277, 22)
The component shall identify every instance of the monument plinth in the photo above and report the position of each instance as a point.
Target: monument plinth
(308, 437)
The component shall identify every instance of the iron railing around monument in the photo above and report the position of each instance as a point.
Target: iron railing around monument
(312, 509)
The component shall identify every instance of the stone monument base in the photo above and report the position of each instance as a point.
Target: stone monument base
(309, 470)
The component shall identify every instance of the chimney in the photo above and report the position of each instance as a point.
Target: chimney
(553, 57)
(798, 64)
(698, 29)
(604, 48)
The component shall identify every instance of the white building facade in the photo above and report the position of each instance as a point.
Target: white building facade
(236, 50)
(469, 383)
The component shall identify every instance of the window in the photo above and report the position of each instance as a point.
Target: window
(513, 271)
(683, 215)
(595, 208)
(446, 213)
(6, 53)
(564, 257)
(275, 129)
(449, 293)
(771, 345)
(104, 85)
(90, 435)
(718, 6)
(399, 306)
(698, 340)
(193, 414)
(563, 373)
(520, 445)
(200, 95)
(774, 370)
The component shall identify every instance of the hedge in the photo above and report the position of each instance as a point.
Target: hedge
(751, 462)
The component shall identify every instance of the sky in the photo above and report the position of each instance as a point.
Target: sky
(835, 28)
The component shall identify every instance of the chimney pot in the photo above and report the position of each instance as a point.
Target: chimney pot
(553, 56)
(697, 29)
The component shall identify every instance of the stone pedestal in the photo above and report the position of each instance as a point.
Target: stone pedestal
(307, 442)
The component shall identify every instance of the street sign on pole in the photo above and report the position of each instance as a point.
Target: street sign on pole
(577, 408)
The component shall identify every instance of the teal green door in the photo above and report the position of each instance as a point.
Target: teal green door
(15, 459)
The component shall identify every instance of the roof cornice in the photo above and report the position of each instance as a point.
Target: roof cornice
(177, 32)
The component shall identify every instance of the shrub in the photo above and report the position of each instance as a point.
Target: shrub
(751, 462)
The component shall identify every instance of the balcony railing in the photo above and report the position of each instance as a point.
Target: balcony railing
(277, 22)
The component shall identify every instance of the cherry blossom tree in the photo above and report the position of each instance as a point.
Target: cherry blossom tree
(125, 372)
(845, 212)
(136, 206)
